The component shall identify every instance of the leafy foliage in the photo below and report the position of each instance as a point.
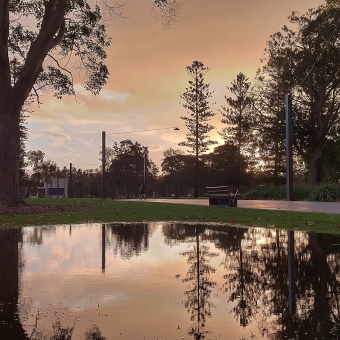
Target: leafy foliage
(126, 170)
(224, 166)
(40, 39)
(320, 193)
(325, 193)
(307, 61)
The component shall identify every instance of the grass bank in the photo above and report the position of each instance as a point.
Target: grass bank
(126, 211)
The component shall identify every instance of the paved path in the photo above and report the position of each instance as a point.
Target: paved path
(320, 207)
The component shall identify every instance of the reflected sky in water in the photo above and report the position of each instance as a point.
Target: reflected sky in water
(168, 281)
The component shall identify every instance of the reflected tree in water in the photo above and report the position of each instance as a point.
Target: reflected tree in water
(315, 293)
(94, 333)
(241, 278)
(259, 283)
(34, 235)
(10, 272)
(200, 286)
(179, 233)
(128, 240)
(60, 332)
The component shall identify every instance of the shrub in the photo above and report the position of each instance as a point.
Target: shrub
(265, 193)
(326, 192)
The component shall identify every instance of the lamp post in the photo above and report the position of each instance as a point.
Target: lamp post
(144, 166)
(289, 148)
(103, 166)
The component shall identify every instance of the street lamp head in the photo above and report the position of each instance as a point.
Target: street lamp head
(176, 129)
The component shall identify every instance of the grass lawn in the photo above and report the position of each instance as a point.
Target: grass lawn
(126, 211)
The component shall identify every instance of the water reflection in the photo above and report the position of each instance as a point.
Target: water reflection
(10, 269)
(241, 282)
(128, 240)
(235, 282)
(198, 295)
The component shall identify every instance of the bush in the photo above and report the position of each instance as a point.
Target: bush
(326, 192)
(265, 193)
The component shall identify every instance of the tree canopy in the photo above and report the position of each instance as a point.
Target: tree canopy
(307, 61)
(40, 40)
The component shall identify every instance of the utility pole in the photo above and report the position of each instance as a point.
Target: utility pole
(71, 183)
(103, 166)
(145, 166)
(289, 148)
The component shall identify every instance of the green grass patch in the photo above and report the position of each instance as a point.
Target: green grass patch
(126, 211)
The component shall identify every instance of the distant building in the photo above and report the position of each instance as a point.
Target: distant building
(54, 187)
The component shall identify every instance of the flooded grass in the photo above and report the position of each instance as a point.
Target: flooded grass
(126, 211)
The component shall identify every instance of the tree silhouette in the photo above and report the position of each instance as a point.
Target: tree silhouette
(306, 57)
(196, 101)
(239, 117)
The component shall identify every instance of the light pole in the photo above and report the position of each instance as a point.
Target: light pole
(145, 166)
(103, 166)
(289, 148)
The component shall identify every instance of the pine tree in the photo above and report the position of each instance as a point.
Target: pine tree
(196, 101)
(238, 116)
(270, 124)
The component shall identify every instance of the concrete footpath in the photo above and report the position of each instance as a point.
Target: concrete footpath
(303, 206)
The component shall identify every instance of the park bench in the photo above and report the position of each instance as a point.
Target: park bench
(223, 196)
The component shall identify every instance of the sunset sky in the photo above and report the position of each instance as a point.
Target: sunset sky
(147, 75)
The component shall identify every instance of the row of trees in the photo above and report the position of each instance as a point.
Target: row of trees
(302, 62)
(125, 172)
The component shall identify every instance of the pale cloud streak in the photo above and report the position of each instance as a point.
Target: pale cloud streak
(85, 142)
(153, 148)
(69, 155)
(104, 94)
(58, 138)
(114, 96)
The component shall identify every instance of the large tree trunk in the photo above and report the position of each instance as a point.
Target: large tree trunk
(314, 167)
(9, 155)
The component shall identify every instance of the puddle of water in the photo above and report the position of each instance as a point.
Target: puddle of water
(168, 281)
